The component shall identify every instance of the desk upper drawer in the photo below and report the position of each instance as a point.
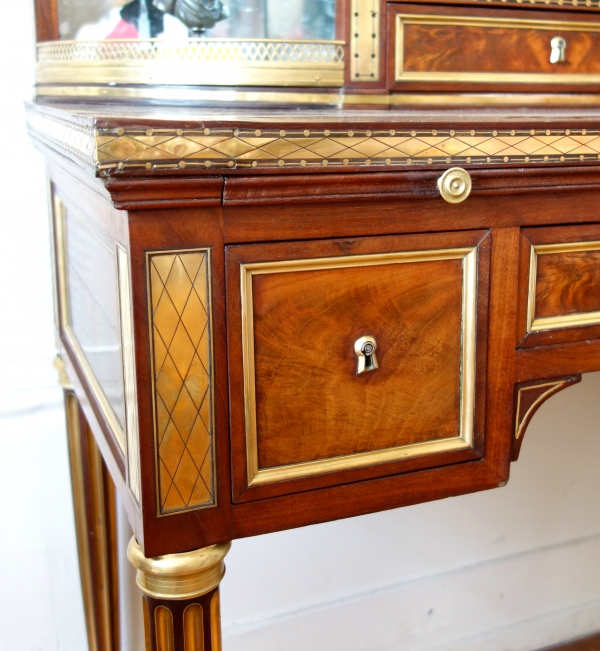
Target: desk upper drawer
(308, 407)
(560, 285)
(480, 48)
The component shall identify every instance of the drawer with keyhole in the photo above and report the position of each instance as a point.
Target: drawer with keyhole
(451, 47)
(354, 358)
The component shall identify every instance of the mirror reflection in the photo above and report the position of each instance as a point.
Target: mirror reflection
(181, 19)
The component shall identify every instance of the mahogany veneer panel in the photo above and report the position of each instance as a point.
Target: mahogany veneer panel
(465, 48)
(310, 402)
(568, 283)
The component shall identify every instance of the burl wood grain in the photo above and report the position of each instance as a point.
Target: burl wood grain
(461, 48)
(310, 402)
(567, 283)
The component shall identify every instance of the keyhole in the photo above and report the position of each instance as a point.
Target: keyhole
(365, 348)
(558, 46)
(368, 349)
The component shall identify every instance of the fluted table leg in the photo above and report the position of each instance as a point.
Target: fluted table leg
(181, 598)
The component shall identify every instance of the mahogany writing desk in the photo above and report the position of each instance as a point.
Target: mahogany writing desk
(312, 305)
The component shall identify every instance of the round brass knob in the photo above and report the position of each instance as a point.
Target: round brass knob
(454, 185)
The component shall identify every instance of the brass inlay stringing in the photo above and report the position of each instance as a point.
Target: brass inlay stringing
(365, 28)
(203, 61)
(537, 324)
(180, 312)
(258, 476)
(60, 214)
(520, 423)
(287, 146)
(129, 375)
(489, 77)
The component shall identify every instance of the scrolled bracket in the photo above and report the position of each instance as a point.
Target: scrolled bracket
(529, 397)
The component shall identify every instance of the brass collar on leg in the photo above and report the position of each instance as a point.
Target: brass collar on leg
(179, 576)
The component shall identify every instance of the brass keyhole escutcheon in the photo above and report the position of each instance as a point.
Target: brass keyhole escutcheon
(558, 46)
(454, 185)
(365, 348)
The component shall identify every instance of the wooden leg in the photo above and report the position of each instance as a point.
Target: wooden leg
(181, 598)
(95, 522)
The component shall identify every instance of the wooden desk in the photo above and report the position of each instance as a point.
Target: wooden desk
(219, 274)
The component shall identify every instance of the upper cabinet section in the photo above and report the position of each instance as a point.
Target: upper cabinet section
(194, 42)
(339, 53)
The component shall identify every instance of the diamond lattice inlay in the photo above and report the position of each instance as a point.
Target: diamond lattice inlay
(222, 148)
(182, 359)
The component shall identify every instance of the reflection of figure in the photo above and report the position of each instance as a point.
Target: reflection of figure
(198, 15)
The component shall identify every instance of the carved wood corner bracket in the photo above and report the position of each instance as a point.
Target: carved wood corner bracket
(529, 397)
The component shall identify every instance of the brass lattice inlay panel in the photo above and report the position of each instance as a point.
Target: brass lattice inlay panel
(179, 294)
(244, 148)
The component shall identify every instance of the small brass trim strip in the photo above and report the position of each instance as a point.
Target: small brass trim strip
(403, 75)
(562, 321)
(64, 313)
(129, 376)
(339, 99)
(522, 423)
(258, 476)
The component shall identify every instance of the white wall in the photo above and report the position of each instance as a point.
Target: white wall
(508, 570)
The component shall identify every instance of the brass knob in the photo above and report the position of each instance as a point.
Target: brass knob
(558, 46)
(365, 348)
(454, 185)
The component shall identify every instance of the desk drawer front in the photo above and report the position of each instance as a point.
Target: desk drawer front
(310, 409)
(474, 49)
(561, 281)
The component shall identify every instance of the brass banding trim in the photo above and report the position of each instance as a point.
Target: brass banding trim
(561, 321)
(257, 476)
(402, 75)
(310, 98)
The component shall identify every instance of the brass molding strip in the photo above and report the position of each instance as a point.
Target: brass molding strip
(204, 61)
(364, 40)
(181, 341)
(563, 321)
(402, 75)
(129, 375)
(338, 99)
(102, 401)
(525, 4)
(258, 476)
(286, 146)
